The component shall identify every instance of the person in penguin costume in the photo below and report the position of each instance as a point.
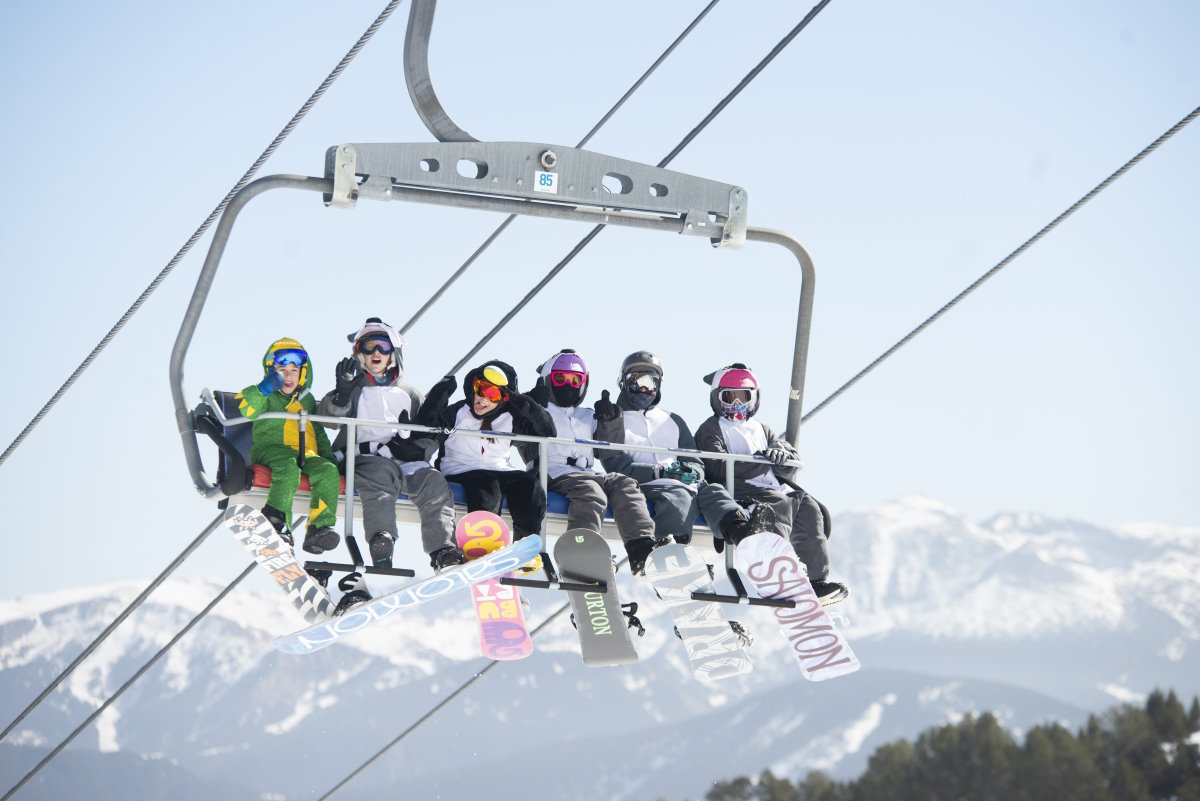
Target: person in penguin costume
(797, 516)
(390, 461)
(670, 483)
(561, 387)
(482, 465)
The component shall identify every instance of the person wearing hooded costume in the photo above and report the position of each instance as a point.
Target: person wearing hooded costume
(797, 516)
(561, 386)
(289, 451)
(669, 483)
(387, 461)
(481, 465)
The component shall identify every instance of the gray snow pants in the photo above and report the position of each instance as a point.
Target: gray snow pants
(798, 519)
(380, 479)
(675, 510)
(589, 493)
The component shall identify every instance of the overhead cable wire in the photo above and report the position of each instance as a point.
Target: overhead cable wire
(675, 151)
(184, 554)
(112, 699)
(595, 128)
(195, 237)
(1150, 148)
(459, 691)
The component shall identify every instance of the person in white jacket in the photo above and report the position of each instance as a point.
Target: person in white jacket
(561, 387)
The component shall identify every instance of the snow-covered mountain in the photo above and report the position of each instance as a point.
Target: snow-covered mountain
(1031, 618)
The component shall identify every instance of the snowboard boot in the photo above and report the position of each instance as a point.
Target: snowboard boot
(639, 551)
(736, 526)
(829, 592)
(279, 522)
(447, 556)
(319, 575)
(534, 565)
(382, 545)
(319, 539)
(355, 590)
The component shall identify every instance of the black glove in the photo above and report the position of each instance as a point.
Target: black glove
(606, 411)
(407, 449)
(776, 455)
(540, 392)
(346, 373)
(444, 387)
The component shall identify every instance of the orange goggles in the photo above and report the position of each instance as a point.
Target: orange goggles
(486, 389)
(561, 378)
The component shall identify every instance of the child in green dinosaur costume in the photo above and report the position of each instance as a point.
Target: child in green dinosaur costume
(280, 445)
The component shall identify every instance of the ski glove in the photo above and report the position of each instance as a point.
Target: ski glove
(272, 382)
(347, 372)
(776, 455)
(540, 392)
(444, 388)
(408, 449)
(680, 471)
(605, 410)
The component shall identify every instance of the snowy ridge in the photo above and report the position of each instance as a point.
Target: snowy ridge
(1024, 616)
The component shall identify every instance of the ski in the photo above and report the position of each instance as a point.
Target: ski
(256, 534)
(584, 556)
(503, 634)
(714, 649)
(768, 561)
(365, 614)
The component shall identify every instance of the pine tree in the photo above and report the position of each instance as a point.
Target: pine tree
(1055, 766)
(1194, 714)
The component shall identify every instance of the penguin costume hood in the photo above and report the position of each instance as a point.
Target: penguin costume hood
(496, 372)
(736, 376)
(375, 328)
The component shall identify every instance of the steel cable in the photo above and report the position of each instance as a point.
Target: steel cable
(195, 237)
(1150, 148)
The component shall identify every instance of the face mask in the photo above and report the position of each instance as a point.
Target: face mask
(565, 395)
(641, 401)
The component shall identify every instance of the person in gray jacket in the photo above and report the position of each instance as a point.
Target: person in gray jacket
(769, 484)
(670, 484)
(390, 461)
(561, 386)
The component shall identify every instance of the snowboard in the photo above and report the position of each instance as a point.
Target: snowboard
(369, 612)
(256, 534)
(583, 556)
(713, 647)
(503, 634)
(767, 560)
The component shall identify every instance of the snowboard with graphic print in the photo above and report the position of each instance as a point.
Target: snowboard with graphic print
(367, 613)
(583, 556)
(256, 534)
(714, 648)
(503, 634)
(771, 566)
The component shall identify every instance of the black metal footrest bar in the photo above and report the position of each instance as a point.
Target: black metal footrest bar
(341, 567)
(785, 603)
(569, 586)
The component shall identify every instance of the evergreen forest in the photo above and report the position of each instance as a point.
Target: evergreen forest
(1128, 754)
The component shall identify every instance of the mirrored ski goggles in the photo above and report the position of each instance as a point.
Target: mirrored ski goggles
(731, 396)
(376, 345)
(486, 389)
(561, 378)
(290, 356)
(643, 382)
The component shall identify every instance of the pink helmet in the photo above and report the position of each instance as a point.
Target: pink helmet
(734, 377)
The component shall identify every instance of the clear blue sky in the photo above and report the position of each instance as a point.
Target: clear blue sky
(910, 147)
